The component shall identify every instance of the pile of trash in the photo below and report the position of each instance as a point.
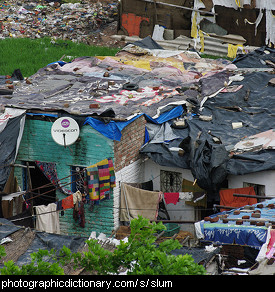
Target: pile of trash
(79, 22)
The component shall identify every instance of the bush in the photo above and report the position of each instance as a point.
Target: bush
(140, 256)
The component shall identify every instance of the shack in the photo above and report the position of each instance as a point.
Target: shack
(157, 121)
(213, 27)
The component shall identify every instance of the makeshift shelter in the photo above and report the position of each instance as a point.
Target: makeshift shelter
(214, 27)
(250, 226)
(173, 107)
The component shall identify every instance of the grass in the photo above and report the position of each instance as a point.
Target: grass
(29, 55)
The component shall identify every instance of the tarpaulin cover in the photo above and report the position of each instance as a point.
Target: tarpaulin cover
(42, 240)
(7, 228)
(231, 233)
(48, 241)
(199, 254)
(12, 123)
(249, 100)
(112, 129)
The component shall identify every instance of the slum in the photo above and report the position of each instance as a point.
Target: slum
(156, 130)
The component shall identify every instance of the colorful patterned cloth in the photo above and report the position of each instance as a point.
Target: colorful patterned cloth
(93, 182)
(112, 173)
(101, 179)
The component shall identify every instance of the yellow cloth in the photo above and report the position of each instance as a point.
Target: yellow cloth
(201, 40)
(232, 50)
(194, 30)
(144, 62)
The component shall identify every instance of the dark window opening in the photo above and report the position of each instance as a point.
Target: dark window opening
(41, 189)
(259, 190)
(170, 181)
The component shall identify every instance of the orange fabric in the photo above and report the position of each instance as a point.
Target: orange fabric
(68, 202)
(131, 23)
(227, 198)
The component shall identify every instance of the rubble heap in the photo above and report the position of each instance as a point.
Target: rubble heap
(85, 21)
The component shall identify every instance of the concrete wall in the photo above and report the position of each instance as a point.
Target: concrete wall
(266, 178)
(180, 211)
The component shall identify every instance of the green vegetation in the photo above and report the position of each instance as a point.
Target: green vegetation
(140, 256)
(29, 55)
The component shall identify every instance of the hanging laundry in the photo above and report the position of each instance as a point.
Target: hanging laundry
(79, 214)
(112, 173)
(67, 203)
(171, 198)
(47, 218)
(134, 202)
(104, 178)
(227, 198)
(101, 179)
(77, 197)
(93, 182)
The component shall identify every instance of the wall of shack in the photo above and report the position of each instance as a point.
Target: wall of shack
(138, 17)
(92, 147)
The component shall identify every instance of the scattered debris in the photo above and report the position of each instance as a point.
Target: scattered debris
(87, 22)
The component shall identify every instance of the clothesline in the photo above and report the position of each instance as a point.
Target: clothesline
(138, 209)
(19, 219)
(55, 188)
(53, 184)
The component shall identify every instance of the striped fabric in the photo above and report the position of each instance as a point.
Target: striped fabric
(93, 182)
(101, 179)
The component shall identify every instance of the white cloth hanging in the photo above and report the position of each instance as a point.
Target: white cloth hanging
(47, 218)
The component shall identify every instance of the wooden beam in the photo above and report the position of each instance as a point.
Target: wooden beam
(181, 7)
(251, 196)
(174, 221)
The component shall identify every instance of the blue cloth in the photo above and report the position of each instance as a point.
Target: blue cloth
(61, 63)
(245, 234)
(112, 130)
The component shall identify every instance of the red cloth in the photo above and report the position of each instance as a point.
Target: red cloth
(171, 198)
(271, 240)
(68, 202)
(227, 198)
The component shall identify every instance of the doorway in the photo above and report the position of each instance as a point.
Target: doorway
(41, 189)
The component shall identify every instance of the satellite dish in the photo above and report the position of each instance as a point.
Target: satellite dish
(65, 131)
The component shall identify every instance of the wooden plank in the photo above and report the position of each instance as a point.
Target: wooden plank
(181, 7)
(251, 196)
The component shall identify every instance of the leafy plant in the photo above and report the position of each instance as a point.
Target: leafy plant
(141, 255)
(38, 265)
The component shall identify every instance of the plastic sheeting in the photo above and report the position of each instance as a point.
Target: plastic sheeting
(112, 129)
(42, 240)
(48, 241)
(252, 105)
(12, 123)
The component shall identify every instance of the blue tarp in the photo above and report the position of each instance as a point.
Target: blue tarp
(112, 129)
(245, 234)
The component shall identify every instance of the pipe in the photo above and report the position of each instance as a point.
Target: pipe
(251, 196)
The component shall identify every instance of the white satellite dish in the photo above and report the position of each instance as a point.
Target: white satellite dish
(65, 131)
